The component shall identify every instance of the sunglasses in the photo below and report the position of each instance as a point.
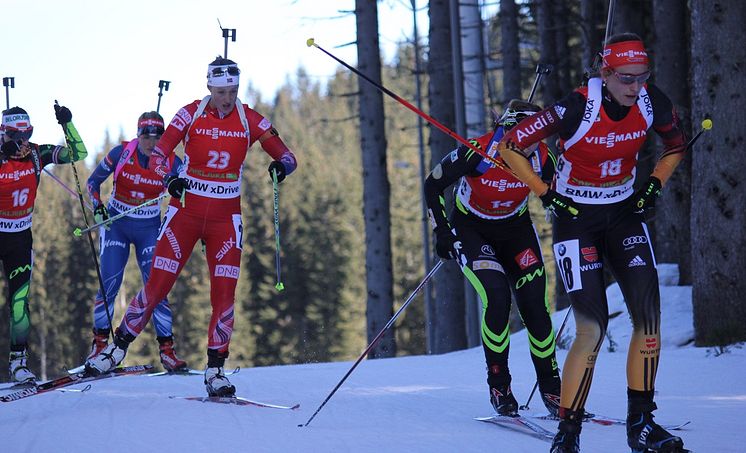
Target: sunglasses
(629, 79)
(230, 70)
(19, 136)
(512, 117)
(153, 131)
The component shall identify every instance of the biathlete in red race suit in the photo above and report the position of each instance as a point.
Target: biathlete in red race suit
(21, 164)
(492, 237)
(600, 222)
(217, 132)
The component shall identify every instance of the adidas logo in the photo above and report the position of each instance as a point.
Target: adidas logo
(637, 261)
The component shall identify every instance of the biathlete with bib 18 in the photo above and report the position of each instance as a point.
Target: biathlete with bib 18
(600, 222)
(217, 133)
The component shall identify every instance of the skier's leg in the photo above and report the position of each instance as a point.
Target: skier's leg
(144, 239)
(114, 249)
(223, 248)
(18, 262)
(632, 260)
(481, 267)
(527, 275)
(175, 242)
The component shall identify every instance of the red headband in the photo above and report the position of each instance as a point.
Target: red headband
(624, 53)
(149, 122)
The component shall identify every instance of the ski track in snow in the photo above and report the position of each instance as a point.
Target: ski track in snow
(408, 404)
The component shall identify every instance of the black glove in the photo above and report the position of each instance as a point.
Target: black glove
(101, 214)
(559, 205)
(447, 245)
(644, 199)
(62, 114)
(176, 186)
(9, 149)
(279, 167)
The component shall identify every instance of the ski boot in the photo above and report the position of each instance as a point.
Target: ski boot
(567, 439)
(171, 363)
(217, 384)
(109, 358)
(19, 372)
(549, 389)
(646, 436)
(501, 396)
(99, 343)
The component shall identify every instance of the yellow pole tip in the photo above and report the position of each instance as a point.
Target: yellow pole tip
(309, 42)
(707, 124)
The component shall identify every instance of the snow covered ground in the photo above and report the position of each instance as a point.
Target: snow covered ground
(409, 404)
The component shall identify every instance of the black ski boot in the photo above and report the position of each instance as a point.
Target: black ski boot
(643, 434)
(549, 388)
(501, 396)
(567, 439)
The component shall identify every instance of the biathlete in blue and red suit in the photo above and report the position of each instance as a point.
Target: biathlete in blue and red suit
(21, 164)
(206, 204)
(134, 184)
(491, 236)
(600, 222)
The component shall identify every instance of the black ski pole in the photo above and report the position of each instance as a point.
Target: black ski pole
(162, 86)
(377, 338)
(559, 334)
(279, 285)
(90, 235)
(542, 69)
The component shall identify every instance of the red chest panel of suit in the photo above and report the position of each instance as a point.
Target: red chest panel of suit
(496, 193)
(216, 148)
(136, 184)
(606, 156)
(18, 186)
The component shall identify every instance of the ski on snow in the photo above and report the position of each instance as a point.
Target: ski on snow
(520, 424)
(607, 421)
(191, 372)
(72, 379)
(237, 400)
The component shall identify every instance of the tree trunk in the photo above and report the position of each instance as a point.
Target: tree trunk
(378, 270)
(591, 34)
(509, 47)
(447, 332)
(673, 232)
(473, 69)
(547, 48)
(718, 197)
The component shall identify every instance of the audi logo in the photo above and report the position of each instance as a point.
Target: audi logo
(632, 240)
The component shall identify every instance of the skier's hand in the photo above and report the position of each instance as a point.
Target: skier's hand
(62, 114)
(559, 205)
(9, 149)
(101, 214)
(644, 199)
(447, 245)
(176, 186)
(279, 167)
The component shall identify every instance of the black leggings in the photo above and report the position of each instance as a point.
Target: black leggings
(17, 256)
(613, 236)
(500, 256)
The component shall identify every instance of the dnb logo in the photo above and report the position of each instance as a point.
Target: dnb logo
(222, 270)
(166, 264)
(526, 259)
